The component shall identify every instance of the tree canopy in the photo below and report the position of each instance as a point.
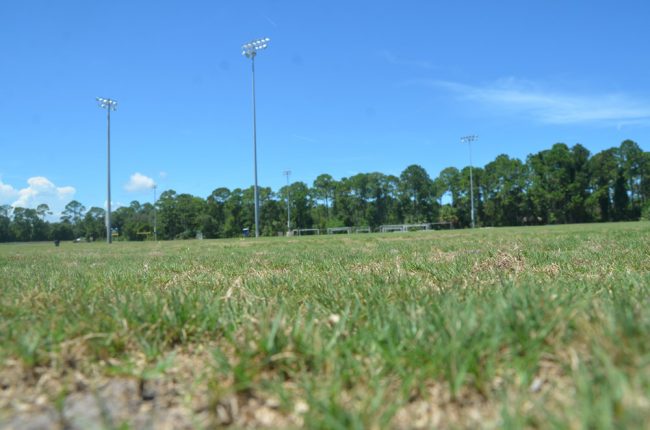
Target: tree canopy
(559, 185)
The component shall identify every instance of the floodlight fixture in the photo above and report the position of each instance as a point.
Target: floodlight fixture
(249, 50)
(109, 105)
(469, 139)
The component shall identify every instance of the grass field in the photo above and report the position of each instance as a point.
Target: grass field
(542, 327)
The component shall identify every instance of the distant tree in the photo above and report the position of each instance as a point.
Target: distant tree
(324, 187)
(301, 204)
(94, 223)
(382, 199)
(448, 214)
(557, 185)
(72, 215)
(190, 211)
(449, 184)
(438, 190)
(632, 162)
(503, 191)
(578, 185)
(466, 181)
(61, 231)
(272, 214)
(621, 198)
(391, 186)
(43, 210)
(360, 194)
(235, 216)
(40, 227)
(216, 210)
(271, 218)
(342, 208)
(603, 168)
(550, 172)
(248, 209)
(6, 234)
(645, 180)
(21, 225)
(416, 193)
(169, 224)
(73, 212)
(27, 226)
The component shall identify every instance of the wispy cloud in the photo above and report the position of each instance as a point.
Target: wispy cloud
(304, 138)
(139, 182)
(273, 23)
(550, 106)
(398, 61)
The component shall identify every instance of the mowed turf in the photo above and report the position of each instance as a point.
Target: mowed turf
(545, 327)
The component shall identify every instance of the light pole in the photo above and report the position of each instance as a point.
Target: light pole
(287, 173)
(249, 50)
(469, 139)
(109, 105)
(155, 221)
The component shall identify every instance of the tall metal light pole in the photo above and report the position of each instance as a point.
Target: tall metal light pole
(155, 221)
(249, 50)
(287, 173)
(469, 139)
(109, 105)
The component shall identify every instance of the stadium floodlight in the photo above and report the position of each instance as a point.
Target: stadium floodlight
(109, 105)
(287, 173)
(469, 139)
(249, 50)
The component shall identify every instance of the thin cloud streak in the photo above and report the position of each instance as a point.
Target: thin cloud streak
(273, 23)
(304, 138)
(549, 107)
(398, 61)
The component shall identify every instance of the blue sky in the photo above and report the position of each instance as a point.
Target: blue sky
(345, 87)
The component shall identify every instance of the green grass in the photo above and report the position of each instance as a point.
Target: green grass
(518, 327)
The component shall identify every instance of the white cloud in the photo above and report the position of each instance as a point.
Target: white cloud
(139, 182)
(42, 190)
(39, 190)
(549, 106)
(7, 193)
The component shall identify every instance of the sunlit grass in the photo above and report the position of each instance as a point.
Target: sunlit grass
(539, 327)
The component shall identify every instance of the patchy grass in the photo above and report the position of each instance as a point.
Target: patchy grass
(508, 328)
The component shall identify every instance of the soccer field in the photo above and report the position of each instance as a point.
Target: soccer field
(544, 327)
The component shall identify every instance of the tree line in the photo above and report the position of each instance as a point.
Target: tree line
(559, 185)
